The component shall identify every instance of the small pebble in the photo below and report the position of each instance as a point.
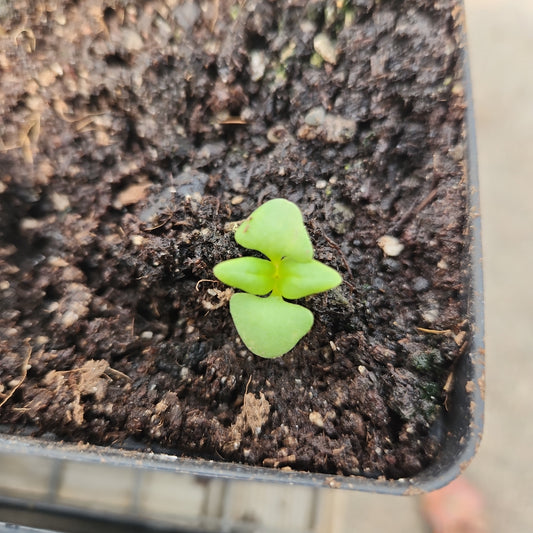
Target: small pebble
(30, 223)
(325, 48)
(430, 315)
(316, 418)
(11, 332)
(390, 245)
(420, 284)
(379, 284)
(46, 77)
(52, 306)
(186, 14)
(339, 129)
(315, 117)
(137, 240)
(392, 265)
(257, 64)
(131, 40)
(236, 200)
(69, 318)
(57, 262)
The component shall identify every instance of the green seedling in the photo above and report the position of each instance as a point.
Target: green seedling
(269, 325)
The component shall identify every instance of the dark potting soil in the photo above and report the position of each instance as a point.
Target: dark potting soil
(134, 135)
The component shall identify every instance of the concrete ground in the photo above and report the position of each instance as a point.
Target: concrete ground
(500, 34)
(501, 47)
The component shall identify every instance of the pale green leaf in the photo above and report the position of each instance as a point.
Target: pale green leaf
(277, 230)
(297, 280)
(249, 274)
(269, 327)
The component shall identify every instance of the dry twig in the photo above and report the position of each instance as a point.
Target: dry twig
(21, 379)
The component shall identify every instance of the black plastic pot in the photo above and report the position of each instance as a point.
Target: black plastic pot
(463, 418)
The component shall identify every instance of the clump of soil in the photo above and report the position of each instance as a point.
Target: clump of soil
(134, 136)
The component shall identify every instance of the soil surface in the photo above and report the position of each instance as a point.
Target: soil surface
(135, 134)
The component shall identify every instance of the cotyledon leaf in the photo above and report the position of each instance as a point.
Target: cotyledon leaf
(276, 229)
(297, 280)
(269, 327)
(249, 274)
